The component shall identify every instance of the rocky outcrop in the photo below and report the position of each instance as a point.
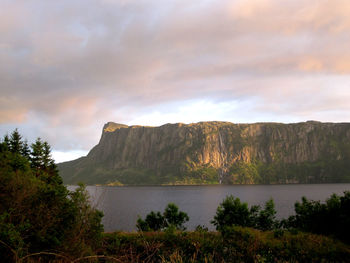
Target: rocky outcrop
(209, 152)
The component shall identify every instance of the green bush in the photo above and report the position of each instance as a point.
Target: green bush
(266, 219)
(232, 212)
(171, 218)
(153, 222)
(174, 217)
(329, 218)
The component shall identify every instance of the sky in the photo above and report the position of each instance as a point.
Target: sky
(68, 67)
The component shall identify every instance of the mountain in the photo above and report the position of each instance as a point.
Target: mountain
(216, 152)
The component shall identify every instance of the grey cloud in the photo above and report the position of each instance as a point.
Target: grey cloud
(69, 66)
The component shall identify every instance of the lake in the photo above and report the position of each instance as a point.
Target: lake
(122, 205)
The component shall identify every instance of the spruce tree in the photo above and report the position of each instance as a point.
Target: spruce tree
(36, 157)
(6, 142)
(46, 158)
(25, 151)
(49, 166)
(15, 142)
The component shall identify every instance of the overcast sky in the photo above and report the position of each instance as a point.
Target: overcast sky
(69, 66)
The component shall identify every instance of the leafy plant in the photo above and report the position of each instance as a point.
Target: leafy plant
(329, 218)
(153, 222)
(266, 220)
(171, 218)
(232, 212)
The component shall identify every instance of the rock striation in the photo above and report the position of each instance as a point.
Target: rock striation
(216, 152)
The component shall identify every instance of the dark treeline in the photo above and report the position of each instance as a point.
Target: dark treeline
(37, 212)
(40, 220)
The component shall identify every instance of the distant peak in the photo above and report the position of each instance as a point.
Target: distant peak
(112, 126)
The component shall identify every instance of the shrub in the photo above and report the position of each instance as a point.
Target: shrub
(174, 217)
(232, 212)
(266, 220)
(171, 218)
(329, 218)
(153, 222)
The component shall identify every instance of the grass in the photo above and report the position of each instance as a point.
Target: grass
(237, 244)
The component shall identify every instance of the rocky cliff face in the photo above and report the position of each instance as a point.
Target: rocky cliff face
(214, 152)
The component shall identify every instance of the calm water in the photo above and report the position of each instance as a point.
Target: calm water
(122, 205)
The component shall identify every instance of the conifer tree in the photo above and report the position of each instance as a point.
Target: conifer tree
(15, 142)
(36, 157)
(48, 164)
(42, 163)
(37, 212)
(46, 158)
(6, 143)
(25, 151)
(12, 147)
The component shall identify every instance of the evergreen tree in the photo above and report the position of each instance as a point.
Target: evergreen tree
(49, 166)
(15, 142)
(6, 142)
(37, 156)
(11, 147)
(46, 155)
(25, 151)
(37, 212)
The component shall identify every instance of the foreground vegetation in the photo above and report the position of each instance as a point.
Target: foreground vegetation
(37, 212)
(41, 221)
(237, 244)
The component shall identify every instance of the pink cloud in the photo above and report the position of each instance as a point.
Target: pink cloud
(70, 66)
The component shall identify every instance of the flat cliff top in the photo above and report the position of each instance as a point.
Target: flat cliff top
(112, 126)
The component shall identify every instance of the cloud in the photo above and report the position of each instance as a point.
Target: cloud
(67, 67)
